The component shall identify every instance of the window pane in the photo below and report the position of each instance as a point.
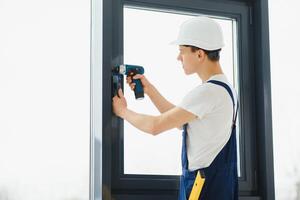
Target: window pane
(147, 35)
(44, 103)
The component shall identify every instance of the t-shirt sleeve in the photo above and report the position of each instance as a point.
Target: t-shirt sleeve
(199, 101)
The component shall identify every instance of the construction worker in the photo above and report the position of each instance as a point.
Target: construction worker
(206, 114)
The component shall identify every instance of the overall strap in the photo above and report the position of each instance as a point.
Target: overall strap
(184, 160)
(232, 98)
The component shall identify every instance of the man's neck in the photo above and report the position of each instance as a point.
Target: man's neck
(210, 69)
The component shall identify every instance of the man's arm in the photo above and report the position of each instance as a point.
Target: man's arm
(154, 125)
(161, 103)
(157, 99)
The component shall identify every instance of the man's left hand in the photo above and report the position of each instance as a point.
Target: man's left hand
(119, 104)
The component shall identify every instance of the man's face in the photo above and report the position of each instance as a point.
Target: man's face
(190, 60)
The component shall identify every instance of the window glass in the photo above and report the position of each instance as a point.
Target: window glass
(45, 100)
(147, 37)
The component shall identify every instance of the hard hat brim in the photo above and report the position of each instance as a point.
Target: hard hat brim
(201, 46)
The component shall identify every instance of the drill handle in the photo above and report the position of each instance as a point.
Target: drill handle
(138, 89)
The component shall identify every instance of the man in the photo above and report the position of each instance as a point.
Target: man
(207, 114)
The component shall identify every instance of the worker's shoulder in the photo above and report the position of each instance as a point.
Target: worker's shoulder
(206, 88)
(204, 91)
(222, 95)
(214, 90)
(219, 89)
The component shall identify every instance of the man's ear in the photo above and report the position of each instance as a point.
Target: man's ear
(201, 54)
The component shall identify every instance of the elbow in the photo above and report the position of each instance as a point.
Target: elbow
(155, 132)
(155, 128)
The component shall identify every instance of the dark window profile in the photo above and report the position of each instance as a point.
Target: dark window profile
(256, 180)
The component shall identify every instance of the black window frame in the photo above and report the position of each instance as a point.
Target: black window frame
(254, 93)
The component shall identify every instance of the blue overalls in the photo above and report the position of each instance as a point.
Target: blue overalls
(221, 181)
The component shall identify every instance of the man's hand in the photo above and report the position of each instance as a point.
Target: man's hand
(146, 84)
(119, 104)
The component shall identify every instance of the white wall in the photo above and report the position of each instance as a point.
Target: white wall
(44, 99)
(285, 69)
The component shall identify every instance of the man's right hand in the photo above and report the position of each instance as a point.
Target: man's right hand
(146, 84)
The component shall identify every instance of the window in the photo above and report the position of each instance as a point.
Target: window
(125, 149)
(146, 43)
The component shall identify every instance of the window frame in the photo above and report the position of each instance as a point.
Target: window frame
(96, 101)
(253, 164)
(129, 181)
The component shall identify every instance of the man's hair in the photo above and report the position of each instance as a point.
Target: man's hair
(213, 55)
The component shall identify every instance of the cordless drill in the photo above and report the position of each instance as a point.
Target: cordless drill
(129, 70)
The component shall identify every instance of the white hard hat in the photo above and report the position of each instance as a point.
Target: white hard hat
(201, 32)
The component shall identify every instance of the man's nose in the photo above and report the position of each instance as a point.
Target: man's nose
(179, 57)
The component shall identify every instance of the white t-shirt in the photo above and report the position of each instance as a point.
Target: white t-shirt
(211, 130)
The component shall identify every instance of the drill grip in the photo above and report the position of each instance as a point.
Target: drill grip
(138, 89)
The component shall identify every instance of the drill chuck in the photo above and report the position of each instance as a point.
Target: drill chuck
(122, 69)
